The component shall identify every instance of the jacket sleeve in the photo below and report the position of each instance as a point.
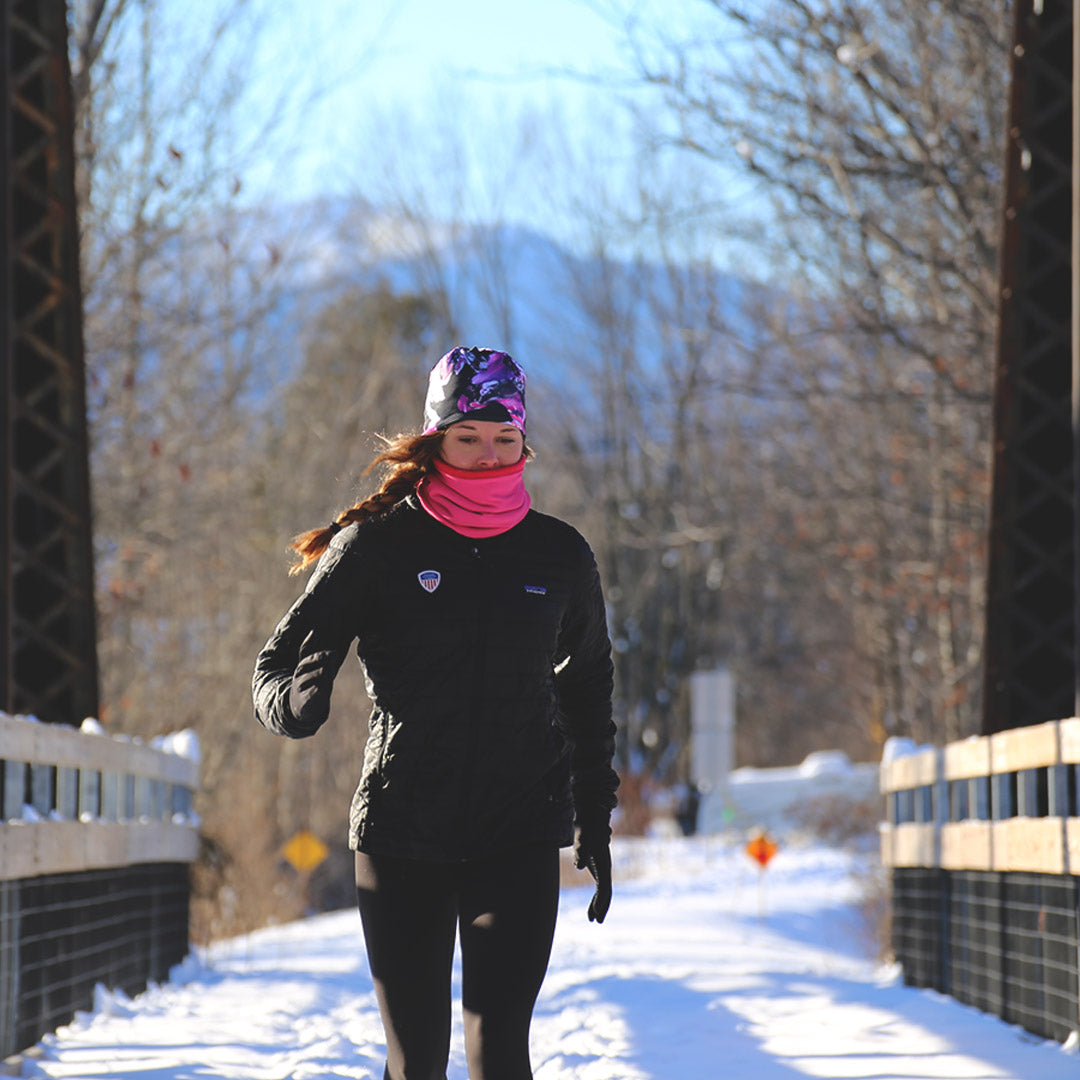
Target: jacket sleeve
(584, 679)
(314, 637)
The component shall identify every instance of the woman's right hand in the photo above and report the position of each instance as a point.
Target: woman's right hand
(313, 679)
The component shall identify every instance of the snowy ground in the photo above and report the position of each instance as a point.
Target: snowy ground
(698, 974)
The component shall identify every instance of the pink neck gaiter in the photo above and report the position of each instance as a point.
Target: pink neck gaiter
(477, 503)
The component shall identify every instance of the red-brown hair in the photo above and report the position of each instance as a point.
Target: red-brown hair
(409, 458)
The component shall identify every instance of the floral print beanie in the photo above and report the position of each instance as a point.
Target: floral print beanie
(475, 384)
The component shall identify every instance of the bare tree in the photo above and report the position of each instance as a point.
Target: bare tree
(874, 132)
(185, 328)
(446, 199)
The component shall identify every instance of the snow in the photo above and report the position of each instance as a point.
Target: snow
(775, 799)
(900, 746)
(706, 967)
(183, 743)
(826, 763)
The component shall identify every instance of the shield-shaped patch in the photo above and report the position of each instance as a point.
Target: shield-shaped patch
(429, 579)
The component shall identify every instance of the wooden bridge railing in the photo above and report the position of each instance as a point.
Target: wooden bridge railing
(96, 837)
(982, 838)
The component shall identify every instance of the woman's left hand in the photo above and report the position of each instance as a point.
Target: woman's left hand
(594, 855)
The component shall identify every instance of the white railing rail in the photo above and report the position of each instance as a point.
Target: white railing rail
(1003, 802)
(74, 800)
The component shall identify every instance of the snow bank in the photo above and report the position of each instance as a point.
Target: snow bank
(775, 799)
(826, 763)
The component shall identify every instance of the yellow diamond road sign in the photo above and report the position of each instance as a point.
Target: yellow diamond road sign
(305, 851)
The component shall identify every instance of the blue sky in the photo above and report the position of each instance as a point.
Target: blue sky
(509, 41)
(510, 111)
(372, 56)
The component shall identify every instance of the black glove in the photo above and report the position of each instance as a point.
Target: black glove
(309, 694)
(592, 851)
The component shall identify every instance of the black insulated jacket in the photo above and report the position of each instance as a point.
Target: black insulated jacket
(488, 666)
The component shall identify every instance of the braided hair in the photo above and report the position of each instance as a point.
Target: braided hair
(409, 458)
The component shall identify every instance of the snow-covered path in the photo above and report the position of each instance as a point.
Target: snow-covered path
(696, 975)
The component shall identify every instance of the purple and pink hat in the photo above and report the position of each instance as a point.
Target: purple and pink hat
(475, 384)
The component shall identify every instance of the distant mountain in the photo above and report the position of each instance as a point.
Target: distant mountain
(507, 286)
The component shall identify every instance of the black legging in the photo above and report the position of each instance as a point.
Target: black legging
(505, 907)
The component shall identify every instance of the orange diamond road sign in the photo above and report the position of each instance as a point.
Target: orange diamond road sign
(305, 851)
(761, 849)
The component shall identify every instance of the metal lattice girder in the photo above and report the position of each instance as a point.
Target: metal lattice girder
(47, 644)
(1030, 641)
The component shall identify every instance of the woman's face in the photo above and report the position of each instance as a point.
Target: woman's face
(481, 444)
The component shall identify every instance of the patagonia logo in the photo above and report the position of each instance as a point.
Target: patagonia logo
(429, 579)
(536, 590)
